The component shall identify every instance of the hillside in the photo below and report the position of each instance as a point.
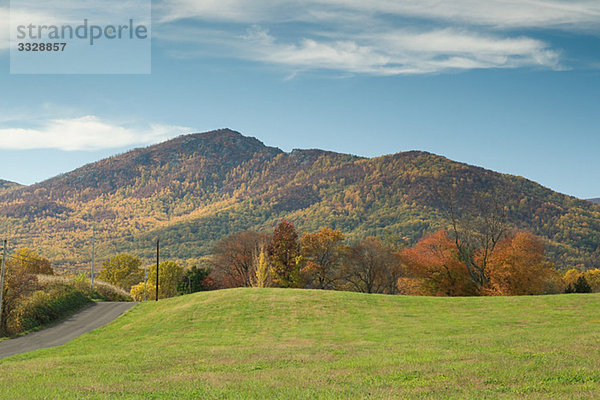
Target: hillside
(193, 190)
(7, 185)
(299, 344)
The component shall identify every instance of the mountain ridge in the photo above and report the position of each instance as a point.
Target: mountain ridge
(193, 189)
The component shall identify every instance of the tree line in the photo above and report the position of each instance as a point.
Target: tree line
(482, 261)
(476, 255)
(437, 265)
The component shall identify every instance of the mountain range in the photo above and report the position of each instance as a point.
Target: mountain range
(191, 191)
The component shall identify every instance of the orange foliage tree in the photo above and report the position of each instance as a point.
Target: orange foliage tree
(435, 266)
(518, 266)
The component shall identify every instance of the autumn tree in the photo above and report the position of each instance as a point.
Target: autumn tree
(593, 278)
(262, 270)
(123, 270)
(519, 267)
(170, 275)
(578, 282)
(322, 254)
(233, 258)
(30, 262)
(283, 251)
(570, 277)
(434, 262)
(478, 224)
(18, 284)
(371, 266)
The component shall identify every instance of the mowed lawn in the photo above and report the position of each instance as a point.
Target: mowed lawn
(289, 344)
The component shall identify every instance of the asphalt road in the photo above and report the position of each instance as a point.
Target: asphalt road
(90, 318)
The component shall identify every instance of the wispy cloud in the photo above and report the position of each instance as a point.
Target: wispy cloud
(85, 133)
(566, 14)
(561, 14)
(380, 37)
(402, 52)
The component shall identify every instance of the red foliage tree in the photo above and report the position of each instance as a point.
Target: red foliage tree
(233, 259)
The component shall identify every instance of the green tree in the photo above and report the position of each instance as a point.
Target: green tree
(122, 270)
(193, 280)
(582, 285)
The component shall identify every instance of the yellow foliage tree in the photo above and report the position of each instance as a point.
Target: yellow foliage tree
(122, 270)
(28, 261)
(262, 273)
(322, 254)
(170, 275)
(593, 278)
(570, 277)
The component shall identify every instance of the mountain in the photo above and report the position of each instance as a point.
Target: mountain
(595, 201)
(193, 190)
(8, 185)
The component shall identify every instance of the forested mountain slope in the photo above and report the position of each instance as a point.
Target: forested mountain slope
(192, 190)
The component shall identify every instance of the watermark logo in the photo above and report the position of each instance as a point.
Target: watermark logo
(80, 37)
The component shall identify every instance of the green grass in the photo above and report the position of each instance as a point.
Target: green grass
(286, 344)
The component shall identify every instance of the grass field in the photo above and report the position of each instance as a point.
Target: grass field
(277, 343)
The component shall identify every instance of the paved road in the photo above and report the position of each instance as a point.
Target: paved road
(90, 318)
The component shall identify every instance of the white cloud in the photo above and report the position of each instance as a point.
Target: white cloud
(569, 14)
(85, 133)
(378, 37)
(398, 52)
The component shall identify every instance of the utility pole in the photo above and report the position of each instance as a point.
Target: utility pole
(157, 260)
(145, 282)
(2, 279)
(93, 252)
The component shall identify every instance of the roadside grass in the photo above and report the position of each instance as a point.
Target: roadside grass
(304, 344)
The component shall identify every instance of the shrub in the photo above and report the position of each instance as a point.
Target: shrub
(44, 307)
(107, 292)
(102, 290)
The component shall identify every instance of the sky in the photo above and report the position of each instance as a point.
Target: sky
(509, 85)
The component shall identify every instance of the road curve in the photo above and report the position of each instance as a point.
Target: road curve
(90, 318)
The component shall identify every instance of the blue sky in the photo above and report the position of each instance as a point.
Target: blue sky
(513, 86)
